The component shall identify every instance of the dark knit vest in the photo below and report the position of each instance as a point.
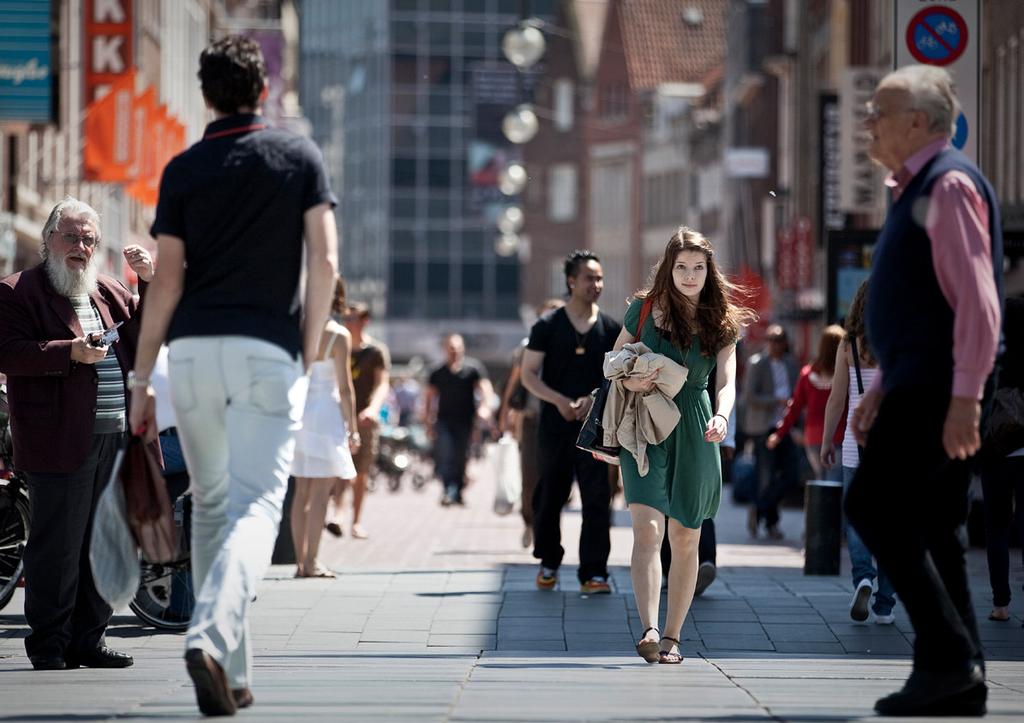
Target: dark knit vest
(909, 321)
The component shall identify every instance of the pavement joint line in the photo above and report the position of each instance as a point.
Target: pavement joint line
(462, 687)
(749, 693)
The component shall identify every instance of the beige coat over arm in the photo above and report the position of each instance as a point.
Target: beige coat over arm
(634, 420)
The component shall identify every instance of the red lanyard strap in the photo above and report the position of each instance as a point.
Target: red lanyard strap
(235, 131)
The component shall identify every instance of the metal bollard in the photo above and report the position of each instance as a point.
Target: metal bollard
(823, 501)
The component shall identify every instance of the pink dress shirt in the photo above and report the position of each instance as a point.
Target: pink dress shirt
(957, 226)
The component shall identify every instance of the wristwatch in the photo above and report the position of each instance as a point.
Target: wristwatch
(135, 382)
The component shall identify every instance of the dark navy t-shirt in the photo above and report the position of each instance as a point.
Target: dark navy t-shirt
(237, 199)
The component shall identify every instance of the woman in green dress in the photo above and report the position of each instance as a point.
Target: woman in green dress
(691, 319)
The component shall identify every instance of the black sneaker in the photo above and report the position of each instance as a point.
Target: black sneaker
(706, 574)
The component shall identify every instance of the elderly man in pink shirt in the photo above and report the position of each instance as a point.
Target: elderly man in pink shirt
(933, 313)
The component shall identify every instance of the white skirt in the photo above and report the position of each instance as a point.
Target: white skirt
(321, 446)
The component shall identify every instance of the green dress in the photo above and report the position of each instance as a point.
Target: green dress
(684, 479)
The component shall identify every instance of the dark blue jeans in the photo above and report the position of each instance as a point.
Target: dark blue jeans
(451, 451)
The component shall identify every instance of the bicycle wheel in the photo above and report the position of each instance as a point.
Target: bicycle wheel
(165, 598)
(13, 536)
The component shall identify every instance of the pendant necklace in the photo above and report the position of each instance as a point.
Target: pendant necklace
(581, 340)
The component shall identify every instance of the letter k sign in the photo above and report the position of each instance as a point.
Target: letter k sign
(107, 11)
(106, 55)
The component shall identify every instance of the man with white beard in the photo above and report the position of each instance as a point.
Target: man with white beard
(67, 401)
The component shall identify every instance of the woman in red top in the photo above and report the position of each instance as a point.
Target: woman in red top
(812, 390)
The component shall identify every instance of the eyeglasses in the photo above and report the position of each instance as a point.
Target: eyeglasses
(88, 240)
(873, 113)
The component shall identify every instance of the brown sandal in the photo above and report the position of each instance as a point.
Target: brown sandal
(648, 649)
(666, 657)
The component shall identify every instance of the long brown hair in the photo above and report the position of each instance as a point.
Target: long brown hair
(338, 302)
(719, 317)
(856, 325)
(825, 362)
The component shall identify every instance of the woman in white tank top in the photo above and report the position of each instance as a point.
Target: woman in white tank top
(866, 576)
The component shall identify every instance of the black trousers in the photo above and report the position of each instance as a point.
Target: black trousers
(778, 471)
(66, 614)
(707, 547)
(907, 501)
(1001, 481)
(559, 462)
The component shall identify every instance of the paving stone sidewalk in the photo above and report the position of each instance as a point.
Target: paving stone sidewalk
(436, 618)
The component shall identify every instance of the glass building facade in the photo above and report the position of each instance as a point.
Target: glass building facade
(406, 98)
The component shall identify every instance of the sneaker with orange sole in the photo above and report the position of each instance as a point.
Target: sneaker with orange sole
(547, 578)
(596, 586)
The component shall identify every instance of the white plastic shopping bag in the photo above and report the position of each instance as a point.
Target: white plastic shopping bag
(508, 481)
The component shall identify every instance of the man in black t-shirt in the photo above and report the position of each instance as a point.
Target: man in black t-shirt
(462, 393)
(562, 364)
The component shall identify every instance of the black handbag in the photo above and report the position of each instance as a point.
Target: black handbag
(591, 437)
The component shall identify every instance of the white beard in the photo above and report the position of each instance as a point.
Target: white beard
(69, 282)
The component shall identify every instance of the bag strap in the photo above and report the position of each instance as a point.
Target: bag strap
(645, 311)
(856, 364)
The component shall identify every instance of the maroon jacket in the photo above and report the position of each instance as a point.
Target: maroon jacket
(52, 398)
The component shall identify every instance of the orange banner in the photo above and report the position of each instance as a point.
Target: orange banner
(109, 151)
(164, 138)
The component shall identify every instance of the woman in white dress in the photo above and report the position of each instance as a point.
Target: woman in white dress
(329, 437)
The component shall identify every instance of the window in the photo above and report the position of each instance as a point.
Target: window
(562, 192)
(403, 276)
(506, 281)
(403, 205)
(437, 277)
(439, 173)
(472, 277)
(563, 104)
(403, 171)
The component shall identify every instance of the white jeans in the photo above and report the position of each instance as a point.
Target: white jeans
(238, 402)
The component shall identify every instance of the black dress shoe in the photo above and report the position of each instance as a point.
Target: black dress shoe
(938, 694)
(53, 663)
(101, 657)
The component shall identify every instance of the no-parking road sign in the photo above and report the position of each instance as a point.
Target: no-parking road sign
(937, 36)
(945, 33)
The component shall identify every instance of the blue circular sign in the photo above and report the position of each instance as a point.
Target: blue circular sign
(960, 135)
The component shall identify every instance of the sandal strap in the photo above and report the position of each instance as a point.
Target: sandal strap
(666, 637)
(653, 627)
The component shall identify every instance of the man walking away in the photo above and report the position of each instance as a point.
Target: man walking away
(229, 224)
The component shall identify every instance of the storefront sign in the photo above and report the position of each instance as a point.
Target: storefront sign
(861, 189)
(26, 67)
(108, 50)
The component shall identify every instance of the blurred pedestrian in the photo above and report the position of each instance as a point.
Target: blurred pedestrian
(519, 414)
(329, 436)
(770, 379)
(809, 398)
(230, 220)
(933, 315)
(66, 392)
(562, 364)
(688, 316)
(458, 393)
(1002, 469)
(855, 371)
(371, 366)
